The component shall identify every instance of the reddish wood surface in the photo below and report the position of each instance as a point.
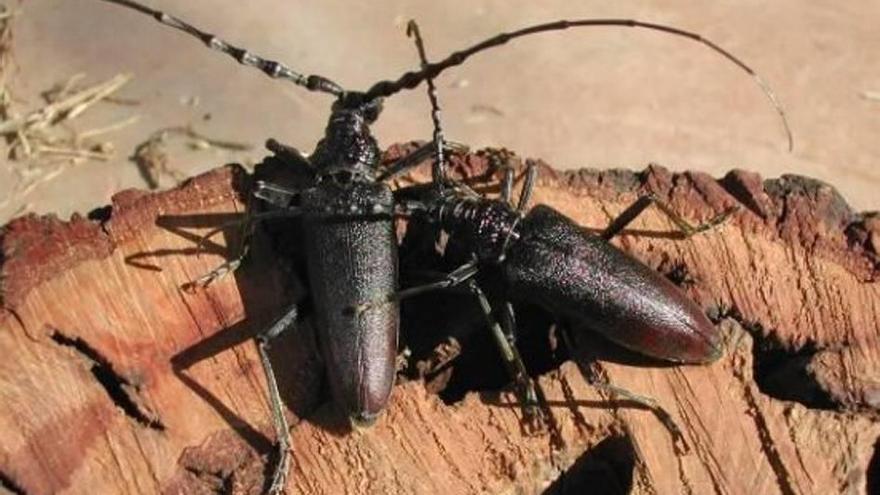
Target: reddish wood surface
(93, 313)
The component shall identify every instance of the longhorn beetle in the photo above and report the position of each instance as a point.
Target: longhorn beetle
(348, 213)
(544, 258)
(547, 259)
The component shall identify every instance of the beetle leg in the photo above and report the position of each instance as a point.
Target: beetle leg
(528, 186)
(416, 158)
(645, 402)
(461, 274)
(500, 158)
(405, 208)
(508, 326)
(407, 162)
(234, 264)
(282, 429)
(287, 153)
(508, 322)
(249, 218)
(456, 277)
(247, 230)
(276, 195)
(636, 209)
(681, 445)
(525, 388)
(507, 186)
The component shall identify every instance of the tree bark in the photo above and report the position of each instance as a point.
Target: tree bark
(115, 380)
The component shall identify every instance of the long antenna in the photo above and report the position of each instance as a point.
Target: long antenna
(412, 79)
(438, 172)
(271, 68)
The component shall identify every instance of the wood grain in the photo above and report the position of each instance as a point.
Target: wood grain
(114, 380)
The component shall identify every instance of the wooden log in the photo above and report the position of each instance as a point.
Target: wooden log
(115, 380)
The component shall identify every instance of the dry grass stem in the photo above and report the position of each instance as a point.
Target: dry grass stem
(152, 160)
(68, 108)
(81, 136)
(42, 143)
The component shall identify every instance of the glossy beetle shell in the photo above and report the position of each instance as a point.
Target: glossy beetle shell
(352, 261)
(575, 274)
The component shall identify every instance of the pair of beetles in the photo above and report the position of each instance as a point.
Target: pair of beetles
(348, 212)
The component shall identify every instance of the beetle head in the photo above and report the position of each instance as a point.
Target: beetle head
(348, 144)
(355, 101)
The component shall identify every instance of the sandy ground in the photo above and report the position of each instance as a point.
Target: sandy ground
(599, 97)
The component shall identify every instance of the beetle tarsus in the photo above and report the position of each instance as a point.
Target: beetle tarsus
(456, 277)
(634, 210)
(221, 271)
(279, 420)
(524, 386)
(598, 382)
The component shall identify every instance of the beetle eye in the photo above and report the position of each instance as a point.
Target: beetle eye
(372, 110)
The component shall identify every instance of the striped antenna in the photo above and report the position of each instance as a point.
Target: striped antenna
(412, 79)
(271, 68)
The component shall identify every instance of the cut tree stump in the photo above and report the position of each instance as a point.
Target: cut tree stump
(115, 380)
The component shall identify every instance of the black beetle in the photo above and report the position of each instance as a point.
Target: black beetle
(347, 213)
(545, 258)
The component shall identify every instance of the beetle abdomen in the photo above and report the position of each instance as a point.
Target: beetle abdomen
(352, 261)
(581, 276)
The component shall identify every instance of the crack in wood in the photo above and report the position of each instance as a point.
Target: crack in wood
(765, 438)
(698, 433)
(7, 483)
(608, 468)
(117, 387)
(783, 373)
(761, 259)
(872, 474)
(783, 477)
(686, 487)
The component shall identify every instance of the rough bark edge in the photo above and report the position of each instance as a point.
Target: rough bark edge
(796, 209)
(142, 207)
(35, 248)
(793, 208)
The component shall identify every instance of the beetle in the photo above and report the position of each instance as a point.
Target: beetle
(347, 211)
(546, 259)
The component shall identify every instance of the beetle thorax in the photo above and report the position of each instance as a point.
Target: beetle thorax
(487, 226)
(348, 146)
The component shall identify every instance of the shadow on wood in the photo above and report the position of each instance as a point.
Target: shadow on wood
(116, 380)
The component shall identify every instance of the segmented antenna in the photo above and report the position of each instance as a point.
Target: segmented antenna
(412, 79)
(271, 68)
(438, 172)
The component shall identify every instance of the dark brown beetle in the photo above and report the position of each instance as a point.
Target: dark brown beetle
(545, 258)
(347, 212)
